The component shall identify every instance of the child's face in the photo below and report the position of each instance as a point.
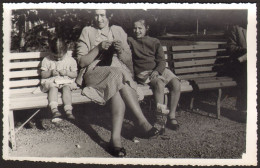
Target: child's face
(139, 29)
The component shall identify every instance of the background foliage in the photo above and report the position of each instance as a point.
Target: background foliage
(31, 28)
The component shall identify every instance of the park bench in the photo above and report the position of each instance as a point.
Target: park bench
(200, 64)
(192, 63)
(24, 93)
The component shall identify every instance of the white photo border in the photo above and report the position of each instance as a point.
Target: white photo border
(249, 158)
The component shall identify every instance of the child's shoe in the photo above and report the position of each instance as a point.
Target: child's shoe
(68, 111)
(56, 116)
(70, 115)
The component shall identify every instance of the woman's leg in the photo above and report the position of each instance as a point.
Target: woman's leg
(67, 100)
(118, 111)
(130, 98)
(175, 92)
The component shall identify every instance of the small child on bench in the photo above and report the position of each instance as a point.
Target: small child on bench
(59, 71)
(149, 68)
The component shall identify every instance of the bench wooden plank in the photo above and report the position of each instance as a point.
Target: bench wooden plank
(28, 64)
(25, 73)
(194, 63)
(196, 54)
(195, 47)
(208, 79)
(22, 90)
(217, 84)
(21, 83)
(193, 70)
(30, 55)
(197, 75)
(215, 79)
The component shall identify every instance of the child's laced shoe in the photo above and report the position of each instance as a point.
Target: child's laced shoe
(161, 117)
(68, 111)
(56, 115)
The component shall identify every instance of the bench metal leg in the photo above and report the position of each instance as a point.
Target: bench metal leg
(166, 99)
(192, 103)
(219, 103)
(11, 127)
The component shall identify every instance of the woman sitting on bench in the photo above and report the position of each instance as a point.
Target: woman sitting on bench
(106, 62)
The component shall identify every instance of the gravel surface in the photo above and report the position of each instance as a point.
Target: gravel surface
(200, 134)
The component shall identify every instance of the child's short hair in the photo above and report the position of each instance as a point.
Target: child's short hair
(143, 19)
(58, 45)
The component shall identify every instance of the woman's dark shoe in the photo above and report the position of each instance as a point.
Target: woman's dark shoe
(173, 124)
(153, 132)
(117, 151)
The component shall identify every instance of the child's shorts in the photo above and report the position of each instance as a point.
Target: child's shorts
(166, 77)
(46, 85)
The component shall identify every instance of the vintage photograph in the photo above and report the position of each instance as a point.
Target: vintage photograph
(159, 84)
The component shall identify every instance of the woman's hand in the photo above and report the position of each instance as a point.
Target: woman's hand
(54, 72)
(154, 75)
(105, 45)
(118, 46)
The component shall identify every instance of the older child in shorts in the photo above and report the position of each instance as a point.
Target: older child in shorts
(149, 68)
(58, 72)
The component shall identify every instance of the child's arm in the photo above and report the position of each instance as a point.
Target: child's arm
(71, 74)
(49, 73)
(45, 69)
(159, 58)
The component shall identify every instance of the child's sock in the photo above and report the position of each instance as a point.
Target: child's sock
(55, 112)
(68, 111)
(161, 116)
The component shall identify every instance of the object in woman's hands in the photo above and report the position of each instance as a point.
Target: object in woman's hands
(106, 56)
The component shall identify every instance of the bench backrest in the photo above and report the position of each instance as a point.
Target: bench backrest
(202, 59)
(24, 70)
(187, 61)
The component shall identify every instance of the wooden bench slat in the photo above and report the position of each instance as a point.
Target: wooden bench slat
(212, 79)
(193, 69)
(194, 63)
(217, 84)
(21, 83)
(195, 54)
(209, 80)
(22, 90)
(164, 48)
(195, 47)
(29, 64)
(198, 75)
(25, 73)
(30, 55)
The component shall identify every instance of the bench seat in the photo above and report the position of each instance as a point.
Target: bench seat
(20, 101)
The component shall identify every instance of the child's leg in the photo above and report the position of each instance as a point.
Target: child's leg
(175, 91)
(158, 90)
(53, 102)
(161, 111)
(67, 100)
